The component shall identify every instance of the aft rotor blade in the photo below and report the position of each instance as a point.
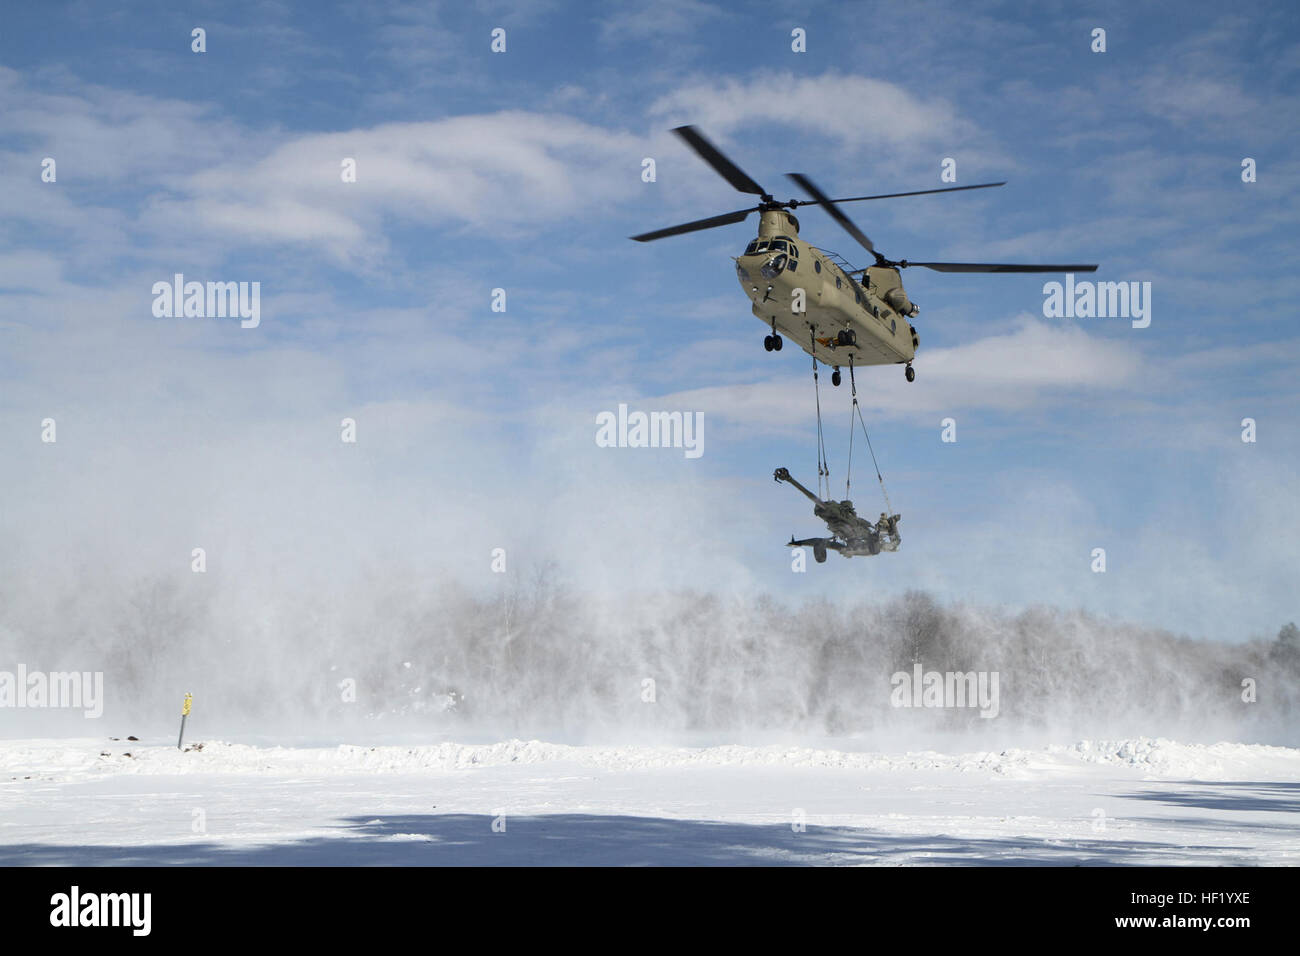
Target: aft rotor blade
(726, 219)
(715, 158)
(811, 188)
(918, 192)
(997, 267)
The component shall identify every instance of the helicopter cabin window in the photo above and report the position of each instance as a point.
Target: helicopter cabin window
(817, 265)
(758, 245)
(837, 282)
(776, 246)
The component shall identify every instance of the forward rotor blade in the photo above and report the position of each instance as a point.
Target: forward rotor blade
(996, 267)
(918, 192)
(726, 219)
(714, 157)
(811, 189)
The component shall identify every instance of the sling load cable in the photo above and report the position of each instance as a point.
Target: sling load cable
(823, 468)
(848, 477)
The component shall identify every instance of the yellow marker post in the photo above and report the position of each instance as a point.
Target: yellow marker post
(185, 712)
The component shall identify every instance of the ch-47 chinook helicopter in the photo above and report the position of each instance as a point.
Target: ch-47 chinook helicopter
(838, 320)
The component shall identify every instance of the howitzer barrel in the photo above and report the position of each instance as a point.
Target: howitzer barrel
(782, 474)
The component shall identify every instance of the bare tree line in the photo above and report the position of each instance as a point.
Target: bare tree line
(535, 658)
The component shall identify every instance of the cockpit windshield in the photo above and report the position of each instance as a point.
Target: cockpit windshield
(783, 244)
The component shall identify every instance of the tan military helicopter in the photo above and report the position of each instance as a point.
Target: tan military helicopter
(814, 295)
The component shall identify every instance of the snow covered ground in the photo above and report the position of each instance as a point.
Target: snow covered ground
(1141, 801)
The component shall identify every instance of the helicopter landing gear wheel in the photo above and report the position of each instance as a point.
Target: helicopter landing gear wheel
(773, 342)
(846, 337)
(910, 373)
(819, 553)
(835, 378)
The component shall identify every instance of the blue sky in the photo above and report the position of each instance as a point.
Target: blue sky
(522, 170)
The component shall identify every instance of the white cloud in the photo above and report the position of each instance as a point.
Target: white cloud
(855, 110)
(666, 18)
(1036, 363)
(97, 134)
(496, 173)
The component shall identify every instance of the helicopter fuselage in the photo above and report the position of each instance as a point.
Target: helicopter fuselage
(809, 297)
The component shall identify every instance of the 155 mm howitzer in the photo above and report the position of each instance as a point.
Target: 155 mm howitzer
(851, 535)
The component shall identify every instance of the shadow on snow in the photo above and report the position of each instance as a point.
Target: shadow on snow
(609, 840)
